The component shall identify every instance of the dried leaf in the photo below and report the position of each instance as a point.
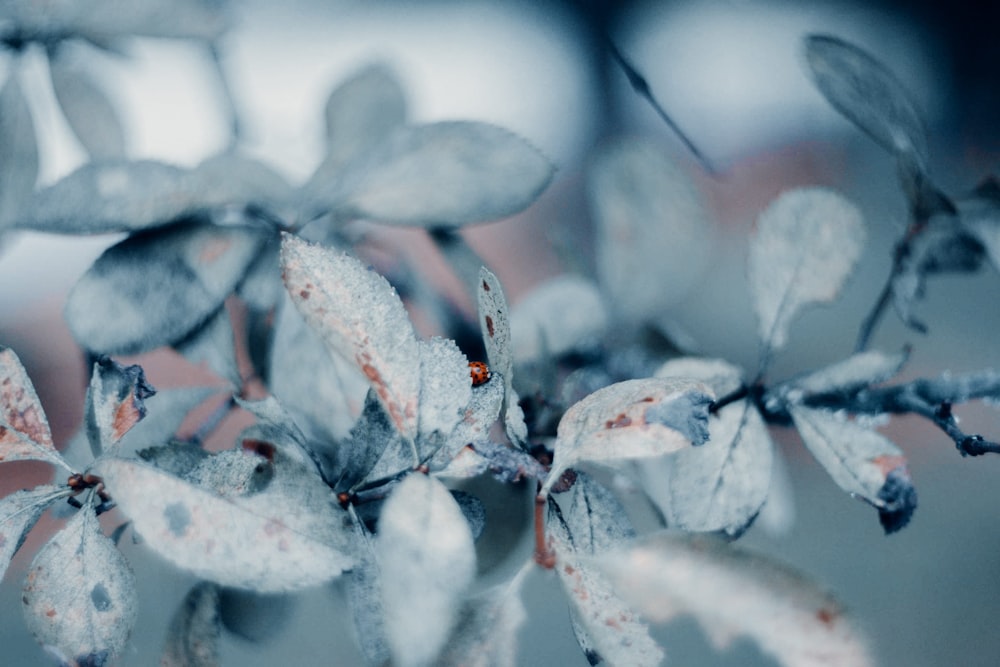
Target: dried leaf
(360, 317)
(154, 288)
(557, 317)
(494, 323)
(79, 596)
(287, 537)
(807, 243)
(193, 637)
(588, 521)
(449, 173)
(426, 553)
(24, 430)
(18, 514)
(731, 593)
(18, 152)
(862, 462)
(87, 109)
(116, 401)
(629, 420)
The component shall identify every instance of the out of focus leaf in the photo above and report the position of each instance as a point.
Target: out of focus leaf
(860, 370)
(449, 173)
(732, 593)
(360, 317)
(165, 417)
(154, 288)
(24, 430)
(365, 598)
(193, 637)
(979, 215)
(116, 401)
(288, 537)
(862, 462)
(90, 114)
(427, 558)
(653, 235)
(806, 245)
(632, 419)
(213, 346)
(18, 514)
(79, 596)
(231, 178)
(559, 316)
(585, 522)
(18, 152)
(494, 323)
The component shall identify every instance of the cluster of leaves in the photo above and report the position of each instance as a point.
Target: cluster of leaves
(344, 470)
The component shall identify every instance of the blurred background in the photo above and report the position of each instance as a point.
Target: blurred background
(730, 74)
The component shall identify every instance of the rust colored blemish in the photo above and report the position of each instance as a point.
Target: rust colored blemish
(127, 415)
(569, 569)
(566, 482)
(371, 373)
(621, 421)
(648, 399)
(826, 616)
(304, 293)
(486, 286)
(886, 464)
(214, 249)
(260, 447)
(489, 325)
(51, 613)
(613, 623)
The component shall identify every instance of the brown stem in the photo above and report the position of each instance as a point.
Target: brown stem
(543, 555)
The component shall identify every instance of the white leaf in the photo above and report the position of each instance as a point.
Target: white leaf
(24, 430)
(193, 637)
(18, 152)
(116, 402)
(494, 324)
(445, 387)
(456, 459)
(360, 317)
(806, 245)
(629, 420)
(721, 376)
(733, 593)
(559, 316)
(860, 370)
(18, 514)
(90, 114)
(365, 599)
(426, 553)
(862, 462)
(287, 537)
(448, 173)
(79, 596)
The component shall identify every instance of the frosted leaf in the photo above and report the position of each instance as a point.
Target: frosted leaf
(232, 473)
(360, 317)
(178, 458)
(862, 462)
(477, 418)
(445, 387)
(213, 346)
(653, 235)
(18, 514)
(858, 371)
(629, 420)
(559, 316)
(24, 430)
(731, 593)
(87, 109)
(365, 599)
(806, 244)
(79, 597)
(116, 401)
(277, 427)
(494, 324)
(428, 560)
(721, 376)
(18, 152)
(195, 630)
(284, 538)
(156, 287)
(869, 95)
(587, 521)
(448, 173)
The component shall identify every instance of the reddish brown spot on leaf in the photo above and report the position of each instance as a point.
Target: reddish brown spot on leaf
(621, 421)
(486, 286)
(569, 569)
(127, 415)
(51, 613)
(214, 249)
(489, 325)
(304, 293)
(261, 448)
(886, 464)
(826, 616)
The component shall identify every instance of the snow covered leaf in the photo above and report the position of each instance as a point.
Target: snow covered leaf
(629, 420)
(457, 459)
(449, 173)
(869, 95)
(116, 401)
(732, 593)
(365, 599)
(86, 107)
(585, 522)
(193, 637)
(445, 387)
(360, 317)
(18, 514)
(154, 288)
(494, 323)
(860, 370)
(79, 596)
(289, 536)
(18, 152)
(561, 315)
(427, 558)
(806, 245)
(650, 216)
(862, 462)
(24, 430)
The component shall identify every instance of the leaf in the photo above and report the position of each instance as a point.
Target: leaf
(562, 315)
(494, 323)
(587, 521)
(427, 558)
(116, 401)
(18, 151)
(230, 178)
(449, 173)
(360, 317)
(979, 216)
(79, 598)
(862, 462)
(24, 430)
(163, 421)
(629, 420)
(365, 598)
(869, 95)
(650, 222)
(285, 538)
(154, 288)
(193, 637)
(807, 243)
(445, 387)
(732, 592)
(19, 512)
(858, 371)
(213, 346)
(89, 112)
